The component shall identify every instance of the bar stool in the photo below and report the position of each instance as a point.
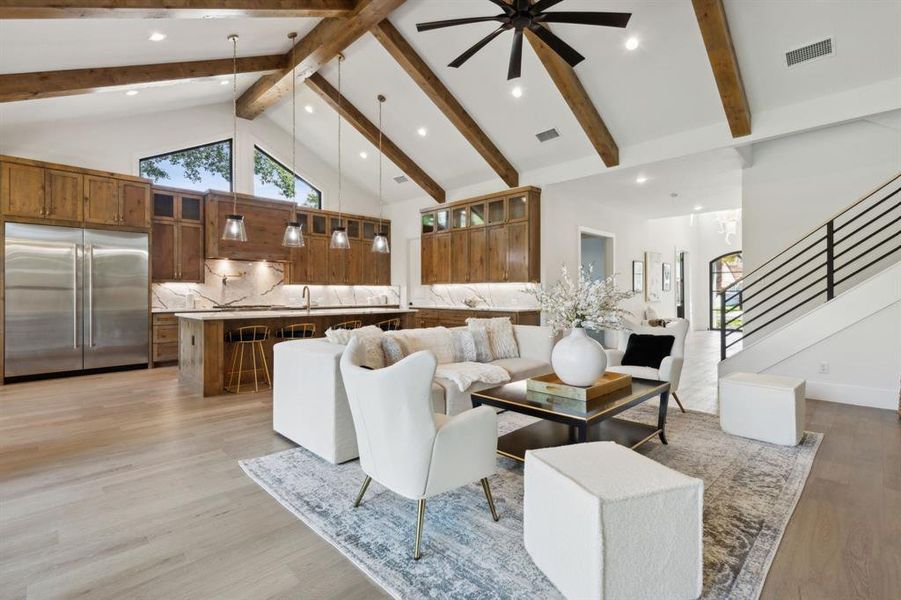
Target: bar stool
(297, 331)
(347, 325)
(253, 336)
(389, 325)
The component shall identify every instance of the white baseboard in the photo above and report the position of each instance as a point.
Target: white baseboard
(853, 394)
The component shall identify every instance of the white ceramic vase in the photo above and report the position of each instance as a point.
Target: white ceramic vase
(578, 359)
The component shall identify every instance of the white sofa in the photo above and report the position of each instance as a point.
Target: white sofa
(309, 403)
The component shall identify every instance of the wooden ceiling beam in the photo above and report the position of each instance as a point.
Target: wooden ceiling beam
(402, 52)
(573, 92)
(370, 131)
(158, 9)
(328, 39)
(714, 27)
(47, 84)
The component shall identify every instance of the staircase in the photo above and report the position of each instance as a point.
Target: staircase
(841, 279)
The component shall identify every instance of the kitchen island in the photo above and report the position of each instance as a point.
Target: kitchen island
(203, 350)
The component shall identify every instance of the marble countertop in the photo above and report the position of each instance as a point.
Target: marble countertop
(280, 308)
(232, 315)
(511, 309)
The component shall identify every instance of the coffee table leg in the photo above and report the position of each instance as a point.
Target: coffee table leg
(661, 416)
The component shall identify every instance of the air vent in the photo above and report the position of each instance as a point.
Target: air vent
(401, 179)
(548, 135)
(809, 52)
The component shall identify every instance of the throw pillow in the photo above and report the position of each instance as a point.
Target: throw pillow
(464, 346)
(370, 339)
(646, 350)
(483, 347)
(438, 340)
(501, 338)
(339, 336)
(392, 350)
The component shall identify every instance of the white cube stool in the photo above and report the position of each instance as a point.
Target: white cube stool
(763, 407)
(602, 521)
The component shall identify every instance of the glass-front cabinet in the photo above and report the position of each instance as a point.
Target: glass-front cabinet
(496, 212)
(459, 217)
(517, 208)
(477, 214)
(442, 221)
(428, 223)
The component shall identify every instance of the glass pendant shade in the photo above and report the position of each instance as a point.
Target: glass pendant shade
(380, 243)
(234, 229)
(293, 237)
(339, 239)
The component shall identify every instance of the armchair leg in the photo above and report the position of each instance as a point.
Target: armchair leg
(490, 498)
(363, 489)
(676, 398)
(420, 520)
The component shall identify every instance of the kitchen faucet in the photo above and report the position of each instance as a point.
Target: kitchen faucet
(306, 294)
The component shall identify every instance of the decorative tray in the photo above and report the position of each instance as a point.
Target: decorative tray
(606, 383)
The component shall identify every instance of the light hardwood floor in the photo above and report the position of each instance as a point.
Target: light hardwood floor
(124, 485)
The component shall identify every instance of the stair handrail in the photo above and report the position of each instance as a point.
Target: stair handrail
(810, 233)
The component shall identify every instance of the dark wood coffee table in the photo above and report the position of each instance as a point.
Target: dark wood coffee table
(564, 421)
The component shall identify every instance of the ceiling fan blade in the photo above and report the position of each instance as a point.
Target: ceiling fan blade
(566, 52)
(542, 5)
(457, 62)
(454, 22)
(515, 68)
(608, 19)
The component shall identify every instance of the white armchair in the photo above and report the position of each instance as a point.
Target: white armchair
(404, 445)
(670, 368)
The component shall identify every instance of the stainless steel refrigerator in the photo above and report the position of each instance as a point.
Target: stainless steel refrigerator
(75, 299)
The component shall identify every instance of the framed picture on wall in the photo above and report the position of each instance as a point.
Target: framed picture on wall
(637, 276)
(653, 267)
(667, 277)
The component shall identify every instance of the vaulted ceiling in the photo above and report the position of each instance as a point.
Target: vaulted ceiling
(648, 98)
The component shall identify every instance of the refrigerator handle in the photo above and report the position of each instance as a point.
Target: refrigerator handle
(89, 312)
(75, 296)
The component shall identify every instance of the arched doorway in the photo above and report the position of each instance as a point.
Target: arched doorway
(724, 271)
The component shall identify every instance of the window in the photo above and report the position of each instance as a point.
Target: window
(201, 168)
(724, 271)
(272, 179)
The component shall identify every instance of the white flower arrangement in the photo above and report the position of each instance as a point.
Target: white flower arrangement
(584, 303)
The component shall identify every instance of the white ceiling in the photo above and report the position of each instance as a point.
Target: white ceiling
(663, 88)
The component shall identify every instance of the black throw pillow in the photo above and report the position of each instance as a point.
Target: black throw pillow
(646, 350)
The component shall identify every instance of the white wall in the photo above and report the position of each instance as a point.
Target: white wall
(797, 183)
(118, 144)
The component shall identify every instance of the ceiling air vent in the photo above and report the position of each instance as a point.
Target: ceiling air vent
(401, 179)
(809, 52)
(548, 135)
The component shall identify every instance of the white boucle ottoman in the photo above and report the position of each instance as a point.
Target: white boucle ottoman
(602, 521)
(763, 407)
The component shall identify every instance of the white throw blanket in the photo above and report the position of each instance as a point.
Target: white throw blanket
(464, 374)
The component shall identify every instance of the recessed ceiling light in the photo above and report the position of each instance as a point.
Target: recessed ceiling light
(308, 108)
(640, 179)
(698, 207)
(517, 92)
(632, 43)
(131, 93)
(422, 131)
(156, 36)
(363, 155)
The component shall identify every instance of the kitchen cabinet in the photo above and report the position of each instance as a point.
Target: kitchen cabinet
(492, 238)
(164, 338)
(134, 204)
(63, 195)
(22, 190)
(177, 241)
(101, 200)
(264, 221)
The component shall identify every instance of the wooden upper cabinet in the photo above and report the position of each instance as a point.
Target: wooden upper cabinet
(22, 190)
(101, 200)
(264, 221)
(337, 265)
(177, 242)
(353, 273)
(64, 193)
(317, 249)
(493, 238)
(134, 204)
(164, 260)
(190, 252)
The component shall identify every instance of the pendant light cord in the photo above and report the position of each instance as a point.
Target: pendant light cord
(340, 60)
(234, 38)
(293, 120)
(381, 101)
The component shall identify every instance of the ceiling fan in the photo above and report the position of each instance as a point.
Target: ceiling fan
(520, 15)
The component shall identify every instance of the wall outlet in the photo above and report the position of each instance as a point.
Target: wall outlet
(824, 367)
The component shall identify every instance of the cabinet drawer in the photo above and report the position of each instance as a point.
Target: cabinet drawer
(167, 333)
(164, 319)
(165, 352)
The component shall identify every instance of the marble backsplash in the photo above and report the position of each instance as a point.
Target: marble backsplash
(484, 295)
(230, 282)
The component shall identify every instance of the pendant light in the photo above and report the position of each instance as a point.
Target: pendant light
(234, 223)
(293, 237)
(339, 239)
(380, 241)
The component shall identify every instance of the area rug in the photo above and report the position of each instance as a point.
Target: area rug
(750, 491)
